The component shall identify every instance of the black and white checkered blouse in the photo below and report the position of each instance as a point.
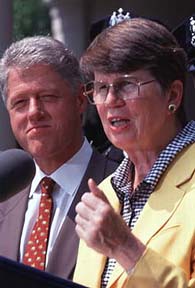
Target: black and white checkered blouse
(133, 201)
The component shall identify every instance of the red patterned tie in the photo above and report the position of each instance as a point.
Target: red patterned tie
(36, 248)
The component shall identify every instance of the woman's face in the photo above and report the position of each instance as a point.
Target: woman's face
(142, 119)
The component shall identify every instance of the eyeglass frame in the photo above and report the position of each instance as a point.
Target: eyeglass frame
(108, 85)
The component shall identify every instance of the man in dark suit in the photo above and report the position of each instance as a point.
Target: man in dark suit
(185, 34)
(42, 88)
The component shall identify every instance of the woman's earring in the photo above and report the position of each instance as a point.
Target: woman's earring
(172, 107)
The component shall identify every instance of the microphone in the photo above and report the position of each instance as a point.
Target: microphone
(17, 170)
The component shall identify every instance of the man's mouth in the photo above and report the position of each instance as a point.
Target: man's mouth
(36, 128)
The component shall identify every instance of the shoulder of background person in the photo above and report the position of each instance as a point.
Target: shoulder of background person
(114, 154)
(101, 165)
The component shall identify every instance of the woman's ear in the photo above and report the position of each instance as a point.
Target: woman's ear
(175, 95)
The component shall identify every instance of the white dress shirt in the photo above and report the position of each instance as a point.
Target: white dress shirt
(68, 178)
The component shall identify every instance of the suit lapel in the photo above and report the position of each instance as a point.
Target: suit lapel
(10, 230)
(63, 255)
(97, 172)
(62, 263)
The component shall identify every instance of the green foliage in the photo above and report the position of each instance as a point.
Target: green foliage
(30, 18)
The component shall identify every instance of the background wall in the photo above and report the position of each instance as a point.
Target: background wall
(170, 12)
(70, 23)
(7, 139)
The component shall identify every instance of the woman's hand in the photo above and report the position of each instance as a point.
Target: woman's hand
(104, 230)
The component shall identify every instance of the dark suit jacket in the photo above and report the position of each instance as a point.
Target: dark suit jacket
(63, 257)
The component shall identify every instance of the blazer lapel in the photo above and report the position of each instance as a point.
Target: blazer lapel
(165, 199)
(160, 207)
(97, 261)
(162, 203)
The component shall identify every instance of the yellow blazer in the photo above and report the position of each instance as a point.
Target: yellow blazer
(166, 226)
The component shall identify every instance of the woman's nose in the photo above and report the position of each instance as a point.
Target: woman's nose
(112, 98)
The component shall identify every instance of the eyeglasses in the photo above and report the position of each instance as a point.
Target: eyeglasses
(124, 87)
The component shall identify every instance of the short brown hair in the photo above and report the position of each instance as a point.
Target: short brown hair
(137, 44)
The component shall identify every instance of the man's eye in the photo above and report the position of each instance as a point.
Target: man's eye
(48, 97)
(19, 104)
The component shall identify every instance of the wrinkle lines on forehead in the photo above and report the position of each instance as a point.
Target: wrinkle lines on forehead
(37, 74)
(27, 70)
(36, 81)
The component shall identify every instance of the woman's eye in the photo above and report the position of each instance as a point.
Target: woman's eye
(103, 87)
(127, 85)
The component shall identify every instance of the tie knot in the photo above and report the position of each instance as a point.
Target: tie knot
(47, 185)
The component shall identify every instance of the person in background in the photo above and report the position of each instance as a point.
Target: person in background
(137, 227)
(92, 125)
(42, 89)
(185, 35)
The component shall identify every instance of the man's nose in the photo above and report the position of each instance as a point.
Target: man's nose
(35, 107)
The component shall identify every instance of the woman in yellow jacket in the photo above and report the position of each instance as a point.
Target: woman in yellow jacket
(137, 227)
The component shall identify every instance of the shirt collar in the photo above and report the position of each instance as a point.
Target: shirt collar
(186, 136)
(64, 176)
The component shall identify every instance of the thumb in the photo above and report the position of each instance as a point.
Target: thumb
(96, 191)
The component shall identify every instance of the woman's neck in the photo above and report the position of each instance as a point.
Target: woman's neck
(144, 158)
(143, 163)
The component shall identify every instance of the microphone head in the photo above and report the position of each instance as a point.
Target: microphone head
(17, 170)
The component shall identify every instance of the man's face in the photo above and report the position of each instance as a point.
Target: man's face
(45, 115)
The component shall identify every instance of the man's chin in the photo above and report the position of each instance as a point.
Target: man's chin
(37, 149)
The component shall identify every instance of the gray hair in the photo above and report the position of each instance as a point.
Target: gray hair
(39, 50)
